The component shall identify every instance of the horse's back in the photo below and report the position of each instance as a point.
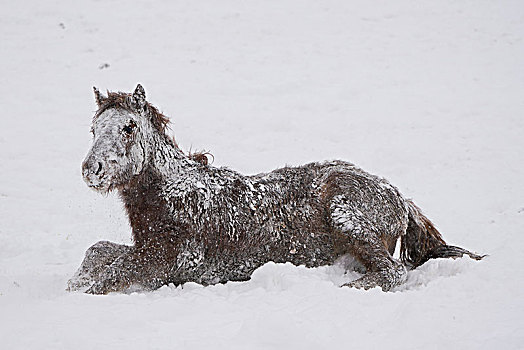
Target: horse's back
(342, 187)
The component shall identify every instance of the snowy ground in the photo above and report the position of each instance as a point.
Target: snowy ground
(428, 94)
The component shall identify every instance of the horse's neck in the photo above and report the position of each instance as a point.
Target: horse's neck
(145, 210)
(172, 165)
(166, 157)
(144, 197)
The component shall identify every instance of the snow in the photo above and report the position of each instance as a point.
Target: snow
(427, 94)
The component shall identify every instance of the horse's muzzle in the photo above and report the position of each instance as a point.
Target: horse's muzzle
(93, 172)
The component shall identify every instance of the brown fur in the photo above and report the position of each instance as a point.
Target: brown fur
(201, 157)
(195, 222)
(420, 238)
(423, 241)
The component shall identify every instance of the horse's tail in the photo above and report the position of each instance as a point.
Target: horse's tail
(422, 241)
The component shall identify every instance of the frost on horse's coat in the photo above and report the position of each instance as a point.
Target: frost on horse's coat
(195, 222)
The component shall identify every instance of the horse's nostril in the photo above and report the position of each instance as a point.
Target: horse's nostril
(99, 169)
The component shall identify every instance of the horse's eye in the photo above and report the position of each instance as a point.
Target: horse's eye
(128, 129)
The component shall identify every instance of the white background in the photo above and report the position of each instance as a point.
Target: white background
(429, 94)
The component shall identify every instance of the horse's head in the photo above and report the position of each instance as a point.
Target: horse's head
(123, 131)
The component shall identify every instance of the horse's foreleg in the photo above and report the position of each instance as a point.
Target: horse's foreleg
(137, 267)
(97, 258)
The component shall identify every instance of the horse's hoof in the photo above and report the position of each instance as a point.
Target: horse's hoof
(358, 284)
(76, 284)
(96, 289)
(369, 281)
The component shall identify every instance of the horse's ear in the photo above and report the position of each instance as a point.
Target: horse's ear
(139, 96)
(99, 97)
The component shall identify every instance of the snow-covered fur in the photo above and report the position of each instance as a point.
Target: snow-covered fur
(195, 222)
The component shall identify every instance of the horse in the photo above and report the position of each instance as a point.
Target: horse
(193, 222)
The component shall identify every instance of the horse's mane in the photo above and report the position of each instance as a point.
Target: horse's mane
(201, 157)
(159, 120)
